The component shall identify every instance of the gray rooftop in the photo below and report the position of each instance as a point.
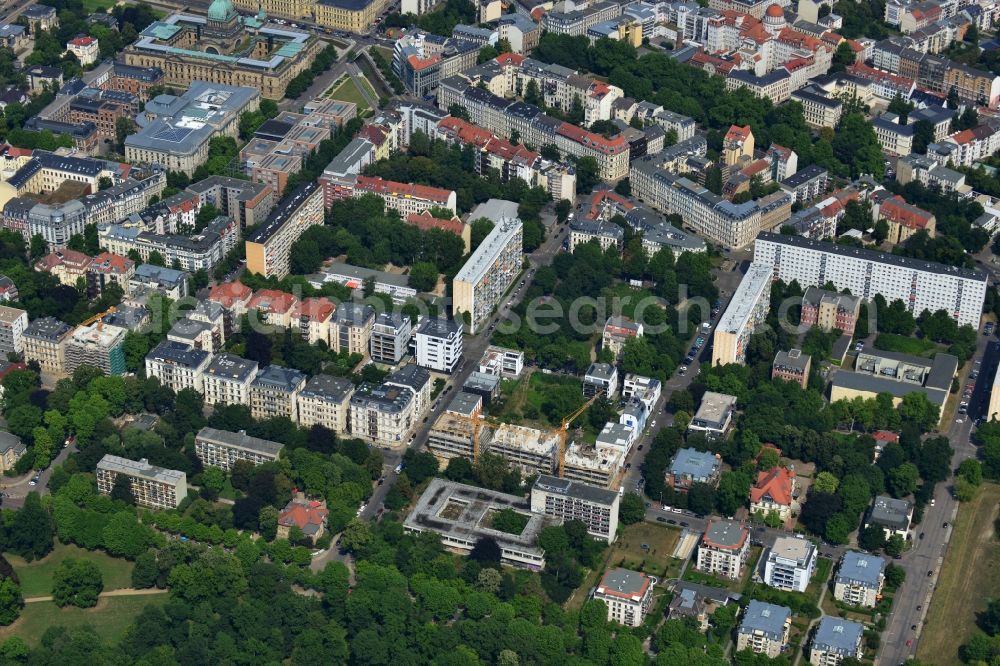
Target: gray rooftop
(328, 387)
(279, 378)
(240, 440)
(794, 359)
(624, 581)
(177, 353)
(141, 469)
(48, 328)
(353, 314)
(231, 367)
(602, 371)
(838, 635)
(575, 489)
(465, 403)
(10, 441)
(439, 328)
(891, 512)
(766, 618)
(410, 375)
(727, 534)
(694, 464)
(858, 568)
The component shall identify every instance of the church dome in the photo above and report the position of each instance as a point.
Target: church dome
(774, 11)
(221, 10)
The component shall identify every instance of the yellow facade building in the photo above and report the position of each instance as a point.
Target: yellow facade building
(348, 15)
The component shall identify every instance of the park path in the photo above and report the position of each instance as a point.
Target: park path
(124, 592)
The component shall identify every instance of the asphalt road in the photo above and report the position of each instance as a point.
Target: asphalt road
(923, 561)
(15, 490)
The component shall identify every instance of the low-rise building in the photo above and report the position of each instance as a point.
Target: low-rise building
(791, 366)
(690, 466)
(723, 549)
(222, 448)
(166, 281)
(600, 378)
(152, 487)
(618, 331)
(325, 400)
(606, 234)
(836, 639)
(502, 362)
(533, 451)
(774, 493)
(899, 375)
(790, 564)
(11, 450)
(894, 516)
(764, 629)
(565, 499)
(44, 341)
(86, 49)
(107, 268)
(308, 516)
(274, 392)
(227, 379)
(714, 415)
(860, 579)
(830, 310)
(627, 594)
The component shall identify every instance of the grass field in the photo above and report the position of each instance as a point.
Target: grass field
(369, 87)
(904, 344)
(968, 580)
(110, 617)
(98, 5)
(347, 91)
(656, 559)
(523, 400)
(36, 577)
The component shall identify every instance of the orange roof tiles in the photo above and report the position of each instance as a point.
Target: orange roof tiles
(591, 140)
(303, 514)
(228, 294)
(425, 221)
(272, 300)
(898, 211)
(106, 262)
(65, 256)
(383, 187)
(316, 308)
(514, 59)
(885, 436)
(776, 484)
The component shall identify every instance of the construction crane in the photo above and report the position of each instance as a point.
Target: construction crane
(90, 320)
(563, 431)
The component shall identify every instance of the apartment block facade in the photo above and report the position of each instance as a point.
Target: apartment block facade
(152, 487)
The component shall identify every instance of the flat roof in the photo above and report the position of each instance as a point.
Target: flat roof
(575, 489)
(141, 469)
(725, 534)
(714, 407)
(240, 440)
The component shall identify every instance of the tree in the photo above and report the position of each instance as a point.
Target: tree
(842, 57)
(38, 247)
(145, 571)
(563, 209)
(424, 276)
(588, 174)
(122, 490)
(632, 509)
(355, 536)
(826, 483)
(531, 93)
(902, 480)
(213, 478)
(30, 532)
(989, 619)
(872, 538)
(124, 536)
(11, 601)
(894, 545)
(701, 499)
(923, 134)
(156, 259)
(77, 582)
(268, 522)
(487, 552)
(971, 470)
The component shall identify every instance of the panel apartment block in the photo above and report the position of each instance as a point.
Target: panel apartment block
(489, 272)
(222, 448)
(269, 248)
(746, 311)
(596, 507)
(152, 487)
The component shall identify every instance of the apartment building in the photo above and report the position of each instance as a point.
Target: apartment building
(600, 378)
(313, 317)
(533, 451)
(483, 280)
(764, 629)
(453, 432)
(390, 339)
(627, 594)
(836, 639)
(819, 109)
(325, 400)
(714, 415)
(11, 450)
(405, 198)
(227, 379)
(690, 466)
(904, 219)
(746, 311)
(222, 448)
(234, 297)
(351, 330)
(606, 234)
(269, 247)
(966, 147)
(774, 493)
(860, 579)
(107, 268)
(565, 499)
(723, 549)
(13, 323)
(44, 341)
(791, 366)
(65, 264)
(439, 344)
(830, 310)
(382, 415)
(790, 564)
(921, 285)
(930, 173)
(247, 203)
(166, 281)
(201, 251)
(152, 487)
(178, 366)
(100, 346)
(502, 362)
(618, 330)
(274, 392)
(894, 516)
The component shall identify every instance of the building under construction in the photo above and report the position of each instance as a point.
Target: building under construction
(451, 437)
(534, 451)
(595, 465)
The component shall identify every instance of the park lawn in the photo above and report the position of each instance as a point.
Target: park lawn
(904, 344)
(110, 617)
(367, 85)
(386, 53)
(657, 560)
(523, 399)
(968, 580)
(93, 6)
(347, 91)
(36, 577)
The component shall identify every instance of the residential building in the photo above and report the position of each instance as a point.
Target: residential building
(190, 50)
(746, 311)
(66, 265)
(352, 328)
(481, 283)
(502, 362)
(166, 281)
(617, 331)
(904, 219)
(690, 466)
(894, 516)
(274, 392)
(897, 374)
(860, 579)
(40, 17)
(714, 415)
(234, 297)
(460, 514)
(764, 629)
(600, 378)
(313, 316)
(820, 109)
(152, 487)
(309, 516)
(44, 341)
(85, 48)
(930, 173)
(921, 285)
(425, 221)
(418, 380)
(202, 251)
(390, 338)
(269, 247)
(405, 198)
(178, 366)
(13, 323)
(533, 451)
(790, 564)
(791, 366)
(836, 639)
(830, 310)
(227, 379)
(627, 594)
(107, 268)
(439, 344)
(774, 494)
(806, 184)
(893, 134)
(11, 450)
(382, 415)
(222, 448)
(325, 400)
(606, 234)
(100, 346)
(723, 549)
(565, 499)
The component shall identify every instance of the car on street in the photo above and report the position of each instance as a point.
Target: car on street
(661, 519)
(945, 526)
(683, 524)
(930, 573)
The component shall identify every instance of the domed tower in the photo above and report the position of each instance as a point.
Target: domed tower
(774, 19)
(223, 25)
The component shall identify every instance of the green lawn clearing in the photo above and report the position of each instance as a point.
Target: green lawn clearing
(539, 399)
(347, 91)
(656, 559)
(968, 580)
(904, 344)
(94, 6)
(36, 577)
(110, 617)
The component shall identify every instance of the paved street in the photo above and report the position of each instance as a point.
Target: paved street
(17, 488)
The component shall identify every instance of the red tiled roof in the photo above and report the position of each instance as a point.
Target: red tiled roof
(602, 196)
(106, 262)
(82, 41)
(316, 308)
(425, 221)
(591, 140)
(272, 300)
(514, 59)
(776, 483)
(737, 133)
(64, 256)
(382, 187)
(885, 436)
(228, 294)
(302, 514)
(418, 63)
(898, 211)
